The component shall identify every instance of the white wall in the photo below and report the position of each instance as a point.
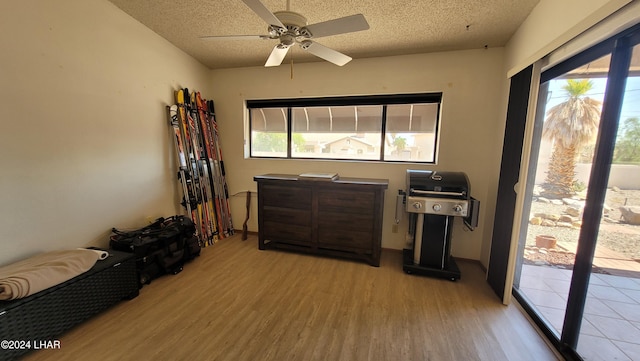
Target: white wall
(84, 139)
(472, 83)
(84, 143)
(551, 24)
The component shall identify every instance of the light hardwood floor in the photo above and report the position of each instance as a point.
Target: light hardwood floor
(235, 303)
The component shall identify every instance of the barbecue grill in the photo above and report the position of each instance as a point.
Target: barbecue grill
(433, 200)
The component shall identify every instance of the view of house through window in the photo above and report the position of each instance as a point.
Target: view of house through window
(375, 130)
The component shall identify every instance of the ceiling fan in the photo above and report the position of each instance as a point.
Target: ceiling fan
(291, 28)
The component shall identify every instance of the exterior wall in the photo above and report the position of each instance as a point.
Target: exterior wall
(350, 146)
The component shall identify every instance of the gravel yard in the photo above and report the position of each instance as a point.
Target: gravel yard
(614, 234)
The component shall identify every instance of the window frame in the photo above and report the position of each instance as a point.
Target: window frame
(361, 100)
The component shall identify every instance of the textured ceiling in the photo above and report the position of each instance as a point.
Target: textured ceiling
(396, 26)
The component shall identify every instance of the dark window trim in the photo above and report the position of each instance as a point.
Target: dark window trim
(347, 100)
(359, 100)
(289, 132)
(383, 133)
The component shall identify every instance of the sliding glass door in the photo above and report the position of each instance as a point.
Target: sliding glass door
(578, 273)
(610, 323)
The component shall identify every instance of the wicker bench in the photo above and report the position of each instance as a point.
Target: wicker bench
(44, 316)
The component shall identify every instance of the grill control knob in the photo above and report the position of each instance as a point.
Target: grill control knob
(417, 205)
(437, 207)
(457, 208)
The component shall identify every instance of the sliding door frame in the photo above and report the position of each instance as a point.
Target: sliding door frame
(500, 274)
(620, 47)
(596, 191)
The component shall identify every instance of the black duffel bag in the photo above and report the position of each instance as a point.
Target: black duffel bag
(159, 248)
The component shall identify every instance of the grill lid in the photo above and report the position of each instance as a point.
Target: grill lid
(437, 184)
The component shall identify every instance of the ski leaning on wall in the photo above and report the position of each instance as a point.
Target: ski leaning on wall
(201, 173)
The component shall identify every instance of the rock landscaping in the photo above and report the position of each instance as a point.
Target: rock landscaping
(562, 219)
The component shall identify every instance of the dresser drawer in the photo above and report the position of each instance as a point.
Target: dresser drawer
(286, 197)
(346, 201)
(337, 220)
(345, 239)
(276, 231)
(287, 216)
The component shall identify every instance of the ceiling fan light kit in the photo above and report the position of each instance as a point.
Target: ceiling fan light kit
(290, 18)
(289, 28)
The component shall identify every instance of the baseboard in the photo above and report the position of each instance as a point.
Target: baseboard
(239, 231)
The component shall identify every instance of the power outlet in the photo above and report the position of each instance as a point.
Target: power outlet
(394, 228)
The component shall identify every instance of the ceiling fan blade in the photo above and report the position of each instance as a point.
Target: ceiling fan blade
(277, 55)
(264, 13)
(325, 53)
(348, 24)
(236, 37)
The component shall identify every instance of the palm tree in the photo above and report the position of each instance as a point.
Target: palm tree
(570, 125)
(400, 143)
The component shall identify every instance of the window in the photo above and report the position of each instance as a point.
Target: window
(396, 128)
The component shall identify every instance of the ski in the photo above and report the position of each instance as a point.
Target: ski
(220, 171)
(200, 166)
(208, 143)
(190, 159)
(178, 142)
(210, 225)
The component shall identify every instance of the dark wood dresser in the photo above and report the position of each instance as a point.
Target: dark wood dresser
(341, 217)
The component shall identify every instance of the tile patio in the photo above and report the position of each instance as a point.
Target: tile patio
(611, 323)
